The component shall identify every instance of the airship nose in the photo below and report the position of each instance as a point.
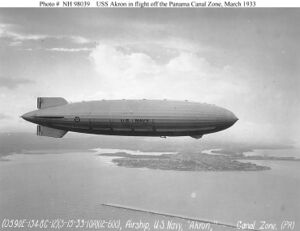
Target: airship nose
(225, 118)
(230, 117)
(28, 116)
(235, 118)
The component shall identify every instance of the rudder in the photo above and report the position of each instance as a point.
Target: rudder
(45, 102)
(51, 132)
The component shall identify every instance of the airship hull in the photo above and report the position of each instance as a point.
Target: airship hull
(133, 117)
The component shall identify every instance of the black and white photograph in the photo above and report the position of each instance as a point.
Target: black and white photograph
(150, 119)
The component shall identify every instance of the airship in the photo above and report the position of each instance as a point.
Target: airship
(55, 117)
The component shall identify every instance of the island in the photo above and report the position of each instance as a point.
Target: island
(183, 162)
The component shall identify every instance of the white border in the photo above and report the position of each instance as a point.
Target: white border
(152, 3)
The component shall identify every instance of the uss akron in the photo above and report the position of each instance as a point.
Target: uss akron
(55, 117)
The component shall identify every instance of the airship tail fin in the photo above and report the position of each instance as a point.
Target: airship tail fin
(51, 132)
(45, 102)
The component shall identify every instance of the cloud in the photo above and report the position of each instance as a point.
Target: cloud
(2, 29)
(80, 39)
(6, 30)
(112, 63)
(61, 49)
(12, 83)
(138, 75)
(9, 31)
(23, 37)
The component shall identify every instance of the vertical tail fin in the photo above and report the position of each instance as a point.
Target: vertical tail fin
(45, 102)
(51, 132)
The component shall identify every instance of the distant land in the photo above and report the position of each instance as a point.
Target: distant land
(189, 157)
(240, 155)
(183, 162)
(11, 143)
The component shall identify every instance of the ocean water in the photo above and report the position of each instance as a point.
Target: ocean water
(131, 152)
(74, 185)
(292, 152)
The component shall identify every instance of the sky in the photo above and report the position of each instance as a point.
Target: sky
(245, 60)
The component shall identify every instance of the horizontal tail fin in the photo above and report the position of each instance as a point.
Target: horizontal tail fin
(51, 132)
(45, 102)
